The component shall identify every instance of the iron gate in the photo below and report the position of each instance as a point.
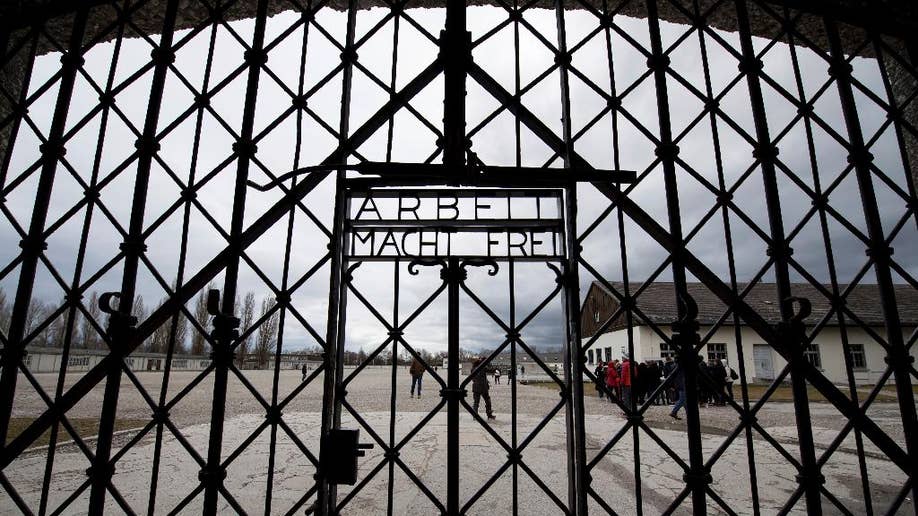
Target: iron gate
(452, 261)
(50, 190)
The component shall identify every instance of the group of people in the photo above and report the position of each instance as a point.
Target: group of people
(480, 384)
(624, 380)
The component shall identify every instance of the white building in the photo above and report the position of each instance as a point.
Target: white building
(655, 310)
(48, 360)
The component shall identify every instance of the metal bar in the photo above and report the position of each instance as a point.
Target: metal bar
(337, 300)
(119, 327)
(502, 193)
(704, 274)
(180, 277)
(898, 356)
(213, 473)
(667, 152)
(779, 250)
(217, 264)
(457, 53)
(455, 41)
(33, 245)
(460, 224)
(452, 271)
(514, 424)
(573, 376)
(393, 395)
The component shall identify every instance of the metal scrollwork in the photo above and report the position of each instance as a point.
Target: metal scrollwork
(426, 262)
(482, 262)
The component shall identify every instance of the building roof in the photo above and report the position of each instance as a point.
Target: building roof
(657, 302)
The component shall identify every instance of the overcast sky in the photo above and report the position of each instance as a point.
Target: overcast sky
(412, 142)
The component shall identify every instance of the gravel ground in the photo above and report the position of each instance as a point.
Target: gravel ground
(370, 391)
(369, 395)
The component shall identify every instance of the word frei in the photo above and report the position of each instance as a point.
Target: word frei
(440, 223)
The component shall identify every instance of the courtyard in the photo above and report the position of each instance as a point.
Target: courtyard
(248, 443)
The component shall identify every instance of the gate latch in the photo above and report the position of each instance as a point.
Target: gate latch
(340, 449)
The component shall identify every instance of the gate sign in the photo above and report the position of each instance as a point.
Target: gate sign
(382, 224)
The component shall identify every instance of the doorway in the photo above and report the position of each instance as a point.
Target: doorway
(441, 279)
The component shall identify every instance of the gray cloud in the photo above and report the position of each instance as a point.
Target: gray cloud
(494, 144)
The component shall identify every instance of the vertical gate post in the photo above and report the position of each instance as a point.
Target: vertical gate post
(780, 251)
(224, 332)
(576, 449)
(333, 355)
(334, 348)
(453, 274)
(793, 332)
(34, 244)
(667, 151)
(456, 53)
(898, 358)
(686, 339)
(224, 335)
(121, 326)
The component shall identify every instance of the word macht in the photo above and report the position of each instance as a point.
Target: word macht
(426, 223)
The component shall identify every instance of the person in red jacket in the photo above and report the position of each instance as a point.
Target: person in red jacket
(627, 373)
(612, 380)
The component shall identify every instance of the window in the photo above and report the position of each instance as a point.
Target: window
(667, 350)
(180, 364)
(608, 354)
(717, 351)
(590, 356)
(812, 355)
(596, 316)
(27, 360)
(858, 358)
(78, 361)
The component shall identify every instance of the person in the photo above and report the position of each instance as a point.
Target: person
(704, 388)
(678, 383)
(652, 380)
(731, 377)
(640, 383)
(613, 381)
(305, 371)
(668, 367)
(417, 372)
(480, 388)
(496, 376)
(600, 375)
(719, 378)
(628, 374)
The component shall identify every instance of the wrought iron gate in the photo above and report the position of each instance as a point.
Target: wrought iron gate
(62, 180)
(453, 264)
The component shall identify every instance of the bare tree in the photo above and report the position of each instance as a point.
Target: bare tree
(177, 326)
(198, 340)
(38, 312)
(5, 312)
(91, 338)
(60, 330)
(139, 310)
(159, 341)
(266, 340)
(246, 319)
(181, 333)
